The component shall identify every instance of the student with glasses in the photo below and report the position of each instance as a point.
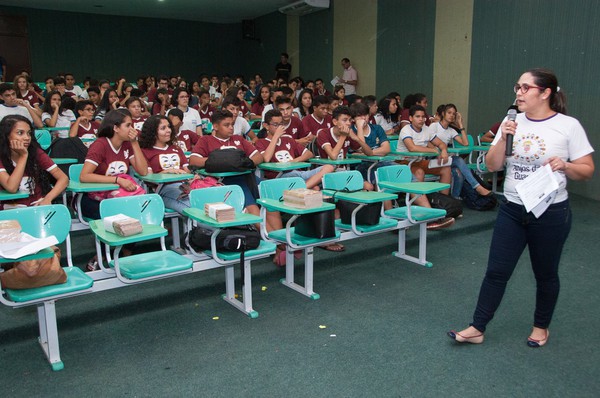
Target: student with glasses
(191, 117)
(543, 136)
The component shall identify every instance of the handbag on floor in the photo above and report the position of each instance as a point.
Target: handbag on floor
(33, 273)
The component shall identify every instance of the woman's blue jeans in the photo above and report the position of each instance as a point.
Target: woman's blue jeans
(459, 164)
(545, 237)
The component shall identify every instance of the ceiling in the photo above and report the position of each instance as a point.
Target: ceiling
(217, 11)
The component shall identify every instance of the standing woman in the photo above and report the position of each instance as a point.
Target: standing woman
(111, 155)
(24, 166)
(159, 146)
(543, 135)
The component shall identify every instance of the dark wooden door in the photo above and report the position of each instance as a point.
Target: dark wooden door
(14, 45)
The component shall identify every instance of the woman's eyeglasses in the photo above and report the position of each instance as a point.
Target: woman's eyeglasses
(525, 87)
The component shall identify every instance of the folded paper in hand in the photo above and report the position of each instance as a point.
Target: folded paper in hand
(26, 246)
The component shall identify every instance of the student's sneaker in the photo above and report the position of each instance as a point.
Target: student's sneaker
(441, 223)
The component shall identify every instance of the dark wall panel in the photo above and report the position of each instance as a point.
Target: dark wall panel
(405, 46)
(511, 36)
(316, 46)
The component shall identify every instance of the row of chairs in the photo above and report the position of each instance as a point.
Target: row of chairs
(120, 271)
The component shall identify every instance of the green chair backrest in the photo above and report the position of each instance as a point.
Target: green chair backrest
(393, 145)
(229, 194)
(351, 180)
(41, 221)
(396, 173)
(75, 171)
(273, 189)
(149, 208)
(43, 138)
(459, 145)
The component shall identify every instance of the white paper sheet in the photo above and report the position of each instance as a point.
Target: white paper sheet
(433, 163)
(335, 81)
(538, 191)
(28, 245)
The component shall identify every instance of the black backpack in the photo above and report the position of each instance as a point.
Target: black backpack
(228, 160)
(475, 201)
(68, 148)
(452, 206)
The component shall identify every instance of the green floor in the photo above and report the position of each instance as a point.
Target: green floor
(378, 329)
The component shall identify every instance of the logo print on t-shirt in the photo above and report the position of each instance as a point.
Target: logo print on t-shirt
(236, 143)
(169, 161)
(529, 148)
(283, 156)
(126, 153)
(115, 168)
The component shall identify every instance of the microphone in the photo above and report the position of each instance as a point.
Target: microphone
(511, 115)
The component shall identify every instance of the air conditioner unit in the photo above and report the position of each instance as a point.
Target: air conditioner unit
(304, 7)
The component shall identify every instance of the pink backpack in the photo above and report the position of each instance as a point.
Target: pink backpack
(117, 193)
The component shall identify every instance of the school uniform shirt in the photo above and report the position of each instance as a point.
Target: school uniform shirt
(14, 110)
(244, 110)
(205, 113)
(257, 108)
(138, 123)
(208, 143)
(241, 126)
(385, 124)
(76, 91)
(186, 139)
(294, 129)
(286, 150)
(64, 119)
(191, 119)
(375, 136)
(30, 97)
(420, 138)
(108, 160)
(89, 132)
(169, 157)
(311, 125)
(27, 183)
(445, 134)
(327, 137)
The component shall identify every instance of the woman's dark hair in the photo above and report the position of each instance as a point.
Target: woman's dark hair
(48, 107)
(258, 98)
(104, 103)
(164, 92)
(369, 100)
(301, 106)
(409, 101)
(176, 93)
(384, 109)
(131, 100)
(68, 102)
(547, 79)
(113, 118)
(150, 131)
(32, 167)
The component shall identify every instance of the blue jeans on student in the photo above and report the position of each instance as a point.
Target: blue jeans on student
(459, 164)
(170, 196)
(545, 237)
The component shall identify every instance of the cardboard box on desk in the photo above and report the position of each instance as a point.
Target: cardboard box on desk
(303, 198)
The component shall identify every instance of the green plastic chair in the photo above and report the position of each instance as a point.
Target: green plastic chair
(149, 210)
(43, 138)
(41, 222)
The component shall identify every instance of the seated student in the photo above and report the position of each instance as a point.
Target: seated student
(278, 147)
(221, 138)
(252, 91)
(334, 102)
(22, 88)
(71, 89)
(163, 82)
(320, 88)
(260, 101)
(371, 102)
(126, 93)
(85, 127)
(24, 166)
(319, 119)
(204, 107)
(240, 125)
(373, 135)
(135, 108)
(109, 102)
(49, 82)
(206, 85)
(111, 155)
(60, 86)
(162, 102)
(191, 117)
(94, 94)
(387, 117)
(305, 106)
(445, 132)
(416, 137)
(158, 141)
(410, 100)
(340, 93)
(186, 139)
(14, 106)
(489, 135)
(275, 92)
(238, 92)
(54, 113)
(293, 125)
(195, 90)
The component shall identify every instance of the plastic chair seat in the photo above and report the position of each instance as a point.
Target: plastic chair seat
(383, 224)
(299, 240)
(418, 213)
(150, 264)
(266, 248)
(76, 280)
